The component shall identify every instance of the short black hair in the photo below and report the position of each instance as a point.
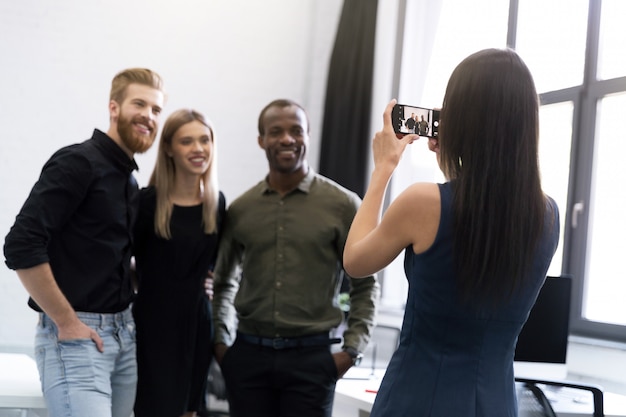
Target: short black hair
(280, 103)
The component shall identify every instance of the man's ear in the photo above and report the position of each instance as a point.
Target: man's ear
(114, 110)
(260, 142)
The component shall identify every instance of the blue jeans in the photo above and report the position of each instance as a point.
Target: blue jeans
(77, 380)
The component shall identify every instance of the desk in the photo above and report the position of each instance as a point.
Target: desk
(20, 388)
(353, 399)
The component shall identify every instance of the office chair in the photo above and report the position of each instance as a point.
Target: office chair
(532, 401)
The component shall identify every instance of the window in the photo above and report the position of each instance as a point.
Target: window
(479, 24)
(574, 49)
(605, 285)
(580, 72)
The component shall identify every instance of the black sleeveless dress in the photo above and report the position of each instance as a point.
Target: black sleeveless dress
(172, 312)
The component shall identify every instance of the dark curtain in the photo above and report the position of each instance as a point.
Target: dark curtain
(346, 141)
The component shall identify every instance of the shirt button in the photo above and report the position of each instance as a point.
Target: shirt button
(278, 285)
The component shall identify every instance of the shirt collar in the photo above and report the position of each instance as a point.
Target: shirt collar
(304, 185)
(113, 152)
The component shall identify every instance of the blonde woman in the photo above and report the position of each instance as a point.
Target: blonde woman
(176, 241)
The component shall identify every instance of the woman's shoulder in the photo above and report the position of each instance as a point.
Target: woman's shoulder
(147, 192)
(418, 199)
(221, 203)
(419, 214)
(147, 197)
(423, 192)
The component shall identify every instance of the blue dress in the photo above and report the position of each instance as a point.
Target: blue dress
(453, 361)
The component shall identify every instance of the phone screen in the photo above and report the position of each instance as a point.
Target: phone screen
(413, 119)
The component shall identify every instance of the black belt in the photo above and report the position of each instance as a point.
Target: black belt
(320, 339)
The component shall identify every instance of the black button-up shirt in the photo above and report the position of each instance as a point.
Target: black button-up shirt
(79, 217)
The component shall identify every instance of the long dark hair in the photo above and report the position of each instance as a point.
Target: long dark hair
(489, 148)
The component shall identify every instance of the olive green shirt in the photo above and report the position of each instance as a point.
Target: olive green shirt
(279, 271)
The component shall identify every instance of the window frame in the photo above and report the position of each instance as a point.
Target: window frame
(585, 99)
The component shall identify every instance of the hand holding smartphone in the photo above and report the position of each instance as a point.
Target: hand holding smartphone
(418, 120)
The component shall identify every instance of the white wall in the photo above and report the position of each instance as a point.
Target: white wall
(226, 58)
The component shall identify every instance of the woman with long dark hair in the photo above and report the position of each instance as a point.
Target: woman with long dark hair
(477, 247)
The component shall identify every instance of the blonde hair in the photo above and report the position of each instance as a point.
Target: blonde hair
(130, 76)
(164, 175)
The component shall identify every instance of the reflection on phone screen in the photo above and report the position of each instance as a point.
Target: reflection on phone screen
(418, 120)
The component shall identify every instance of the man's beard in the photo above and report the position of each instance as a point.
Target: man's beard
(134, 141)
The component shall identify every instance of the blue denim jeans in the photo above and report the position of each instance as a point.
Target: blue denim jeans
(77, 380)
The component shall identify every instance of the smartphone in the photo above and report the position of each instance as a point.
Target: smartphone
(413, 119)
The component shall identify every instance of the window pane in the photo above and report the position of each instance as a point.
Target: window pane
(431, 52)
(479, 24)
(555, 140)
(551, 40)
(611, 56)
(604, 276)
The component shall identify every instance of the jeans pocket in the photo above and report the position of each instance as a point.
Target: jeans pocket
(77, 357)
(46, 353)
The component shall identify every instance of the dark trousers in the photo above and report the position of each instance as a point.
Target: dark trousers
(267, 382)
